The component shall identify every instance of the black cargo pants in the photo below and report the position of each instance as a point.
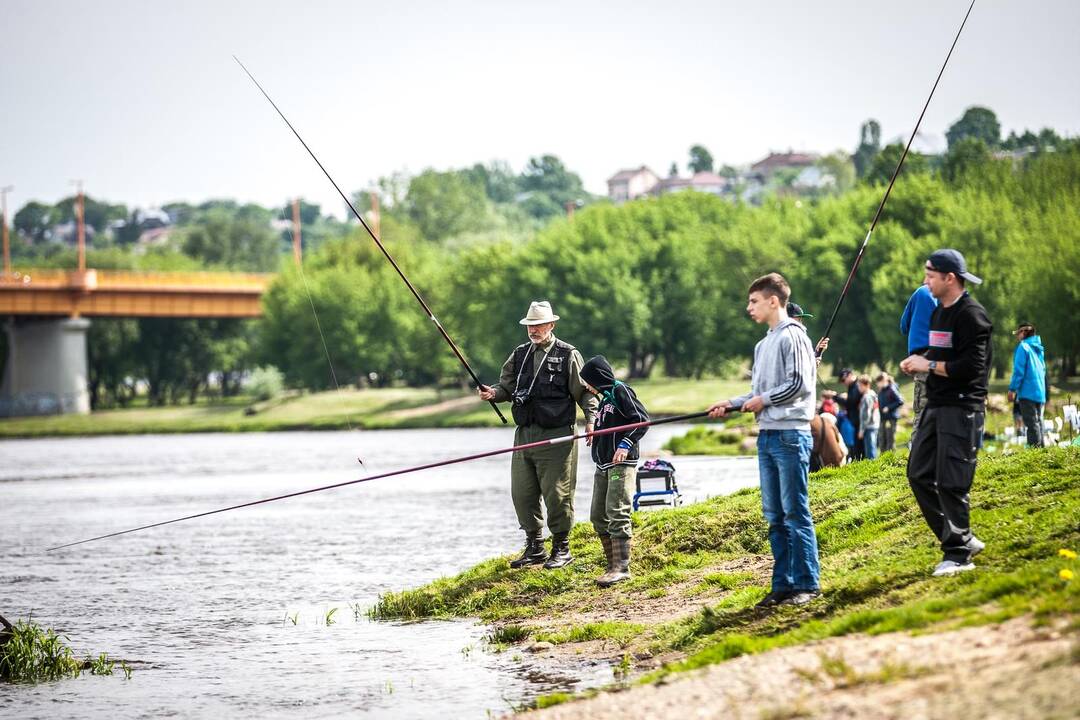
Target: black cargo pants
(940, 470)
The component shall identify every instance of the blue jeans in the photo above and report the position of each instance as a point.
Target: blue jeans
(784, 466)
(869, 441)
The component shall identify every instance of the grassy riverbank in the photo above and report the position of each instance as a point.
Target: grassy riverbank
(363, 409)
(698, 571)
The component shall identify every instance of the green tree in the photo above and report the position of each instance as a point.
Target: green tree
(977, 122)
(841, 167)
(33, 221)
(884, 164)
(224, 239)
(701, 160)
(443, 204)
(965, 156)
(549, 186)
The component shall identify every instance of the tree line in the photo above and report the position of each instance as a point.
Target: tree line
(657, 284)
(660, 283)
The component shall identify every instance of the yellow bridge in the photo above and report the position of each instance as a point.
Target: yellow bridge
(118, 293)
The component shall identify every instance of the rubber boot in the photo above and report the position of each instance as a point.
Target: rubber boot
(605, 540)
(620, 563)
(560, 551)
(534, 553)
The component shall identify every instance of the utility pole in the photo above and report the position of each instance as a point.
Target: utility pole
(375, 213)
(3, 212)
(81, 224)
(296, 244)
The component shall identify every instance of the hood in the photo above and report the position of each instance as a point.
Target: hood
(598, 373)
(1035, 343)
(785, 323)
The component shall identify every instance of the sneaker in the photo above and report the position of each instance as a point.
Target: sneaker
(773, 599)
(801, 597)
(975, 546)
(951, 567)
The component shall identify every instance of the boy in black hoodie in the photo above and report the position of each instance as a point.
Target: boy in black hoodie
(616, 455)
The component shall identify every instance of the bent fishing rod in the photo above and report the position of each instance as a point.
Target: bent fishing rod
(386, 253)
(892, 181)
(405, 471)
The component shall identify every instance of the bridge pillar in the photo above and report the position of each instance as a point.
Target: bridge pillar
(46, 368)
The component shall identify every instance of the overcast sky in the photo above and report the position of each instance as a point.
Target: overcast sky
(143, 101)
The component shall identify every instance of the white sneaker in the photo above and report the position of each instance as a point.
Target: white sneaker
(951, 567)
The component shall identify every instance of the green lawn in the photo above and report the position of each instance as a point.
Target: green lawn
(876, 557)
(378, 408)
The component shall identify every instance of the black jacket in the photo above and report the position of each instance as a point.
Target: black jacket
(960, 337)
(619, 405)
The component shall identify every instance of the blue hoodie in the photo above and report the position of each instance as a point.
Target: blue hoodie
(1029, 370)
(915, 321)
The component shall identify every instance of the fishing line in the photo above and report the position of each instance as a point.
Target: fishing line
(892, 181)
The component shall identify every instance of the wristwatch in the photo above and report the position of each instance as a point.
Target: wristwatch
(933, 365)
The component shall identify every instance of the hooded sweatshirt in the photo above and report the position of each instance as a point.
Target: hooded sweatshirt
(1029, 370)
(619, 405)
(785, 376)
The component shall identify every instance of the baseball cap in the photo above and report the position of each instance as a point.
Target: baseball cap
(948, 260)
(794, 310)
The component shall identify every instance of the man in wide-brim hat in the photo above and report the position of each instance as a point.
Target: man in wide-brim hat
(541, 379)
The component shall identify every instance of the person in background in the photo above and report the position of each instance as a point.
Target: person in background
(890, 401)
(915, 323)
(1027, 387)
(869, 418)
(851, 407)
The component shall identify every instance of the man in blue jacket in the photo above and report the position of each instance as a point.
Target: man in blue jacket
(1028, 384)
(915, 323)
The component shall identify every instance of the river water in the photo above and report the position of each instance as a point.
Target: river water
(226, 615)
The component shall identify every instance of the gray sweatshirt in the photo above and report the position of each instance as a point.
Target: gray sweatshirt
(869, 414)
(785, 376)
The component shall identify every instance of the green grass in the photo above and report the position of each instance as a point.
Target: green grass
(876, 554)
(339, 410)
(32, 654)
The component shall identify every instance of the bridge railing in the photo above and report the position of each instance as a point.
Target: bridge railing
(119, 280)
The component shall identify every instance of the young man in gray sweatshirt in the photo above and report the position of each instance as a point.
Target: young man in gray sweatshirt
(783, 395)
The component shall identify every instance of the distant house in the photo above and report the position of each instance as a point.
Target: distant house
(782, 161)
(629, 184)
(812, 178)
(706, 182)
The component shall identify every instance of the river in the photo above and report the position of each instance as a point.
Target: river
(226, 615)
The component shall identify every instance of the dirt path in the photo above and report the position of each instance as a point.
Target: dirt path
(1008, 671)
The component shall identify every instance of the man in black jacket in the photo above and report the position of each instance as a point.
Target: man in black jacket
(941, 466)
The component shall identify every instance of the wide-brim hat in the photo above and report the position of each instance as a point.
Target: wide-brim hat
(539, 314)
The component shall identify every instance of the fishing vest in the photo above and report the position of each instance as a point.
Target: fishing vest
(548, 404)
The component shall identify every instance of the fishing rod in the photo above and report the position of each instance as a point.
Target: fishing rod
(385, 252)
(892, 181)
(405, 471)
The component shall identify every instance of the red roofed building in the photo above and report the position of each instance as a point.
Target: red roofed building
(629, 184)
(781, 161)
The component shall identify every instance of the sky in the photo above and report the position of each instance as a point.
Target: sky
(144, 103)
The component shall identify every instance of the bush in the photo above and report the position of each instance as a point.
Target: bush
(265, 383)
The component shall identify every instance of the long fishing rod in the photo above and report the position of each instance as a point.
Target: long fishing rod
(892, 181)
(405, 471)
(385, 252)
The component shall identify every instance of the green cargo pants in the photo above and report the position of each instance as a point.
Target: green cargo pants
(612, 494)
(548, 472)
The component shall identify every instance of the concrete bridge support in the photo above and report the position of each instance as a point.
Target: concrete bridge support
(46, 368)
